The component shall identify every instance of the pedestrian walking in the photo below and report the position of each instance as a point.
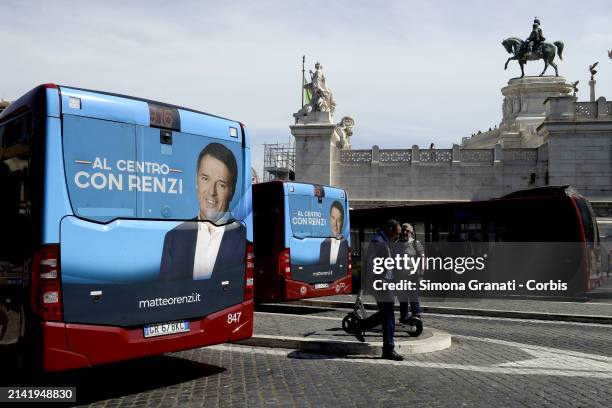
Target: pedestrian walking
(380, 248)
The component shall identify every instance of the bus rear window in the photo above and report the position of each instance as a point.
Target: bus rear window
(313, 217)
(119, 170)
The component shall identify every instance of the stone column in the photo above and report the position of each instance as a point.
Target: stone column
(602, 108)
(498, 153)
(456, 153)
(416, 157)
(375, 154)
(315, 149)
(592, 86)
(560, 107)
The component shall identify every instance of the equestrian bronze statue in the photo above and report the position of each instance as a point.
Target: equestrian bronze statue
(532, 49)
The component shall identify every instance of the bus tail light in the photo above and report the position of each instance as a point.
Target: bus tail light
(45, 287)
(284, 263)
(249, 273)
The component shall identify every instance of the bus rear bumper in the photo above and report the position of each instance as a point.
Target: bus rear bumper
(69, 346)
(302, 290)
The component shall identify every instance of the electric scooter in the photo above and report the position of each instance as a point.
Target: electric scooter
(353, 321)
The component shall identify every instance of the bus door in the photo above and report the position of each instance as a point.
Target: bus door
(268, 231)
(318, 234)
(129, 255)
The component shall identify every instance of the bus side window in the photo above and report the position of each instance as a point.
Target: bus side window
(14, 205)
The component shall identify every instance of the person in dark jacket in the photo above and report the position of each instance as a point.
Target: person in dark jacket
(380, 248)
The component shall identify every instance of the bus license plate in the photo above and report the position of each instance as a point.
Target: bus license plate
(162, 329)
(321, 285)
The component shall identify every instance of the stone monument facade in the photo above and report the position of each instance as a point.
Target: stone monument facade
(578, 137)
(545, 137)
(523, 111)
(563, 141)
(576, 149)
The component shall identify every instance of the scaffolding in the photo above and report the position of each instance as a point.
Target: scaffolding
(279, 161)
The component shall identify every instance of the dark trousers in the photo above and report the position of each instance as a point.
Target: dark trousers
(415, 309)
(386, 317)
(413, 298)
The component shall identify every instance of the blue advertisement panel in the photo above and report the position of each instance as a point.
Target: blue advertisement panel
(159, 229)
(318, 233)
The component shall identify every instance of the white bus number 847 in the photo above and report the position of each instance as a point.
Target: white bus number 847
(233, 317)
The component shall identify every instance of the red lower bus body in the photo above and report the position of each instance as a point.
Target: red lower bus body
(275, 283)
(288, 289)
(301, 290)
(68, 346)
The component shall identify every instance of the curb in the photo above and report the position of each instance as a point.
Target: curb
(514, 314)
(431, 340)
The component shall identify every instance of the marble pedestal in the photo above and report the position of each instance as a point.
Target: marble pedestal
(523, 108)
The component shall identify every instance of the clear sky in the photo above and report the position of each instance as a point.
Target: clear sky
(408, 72)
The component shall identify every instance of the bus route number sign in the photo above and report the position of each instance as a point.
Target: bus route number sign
(164, 117)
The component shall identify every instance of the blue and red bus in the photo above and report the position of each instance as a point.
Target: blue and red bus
(303, 242)
(127, 229)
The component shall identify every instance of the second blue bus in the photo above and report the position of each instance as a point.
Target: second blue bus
(303, 241)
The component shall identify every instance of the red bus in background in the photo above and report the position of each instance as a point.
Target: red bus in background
(550, 219)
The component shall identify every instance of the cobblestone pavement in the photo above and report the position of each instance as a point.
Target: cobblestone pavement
(492, 362)
(240, 376)
(584, 337)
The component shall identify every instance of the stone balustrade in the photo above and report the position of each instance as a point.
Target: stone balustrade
(356, 156)
(477, 155)
(585, 109)
(566, 108)
(521, 155)
(395, 155)
(435, 155)
(423, 156)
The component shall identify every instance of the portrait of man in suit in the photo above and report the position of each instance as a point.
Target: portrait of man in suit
(212, 245)
(334, 250)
